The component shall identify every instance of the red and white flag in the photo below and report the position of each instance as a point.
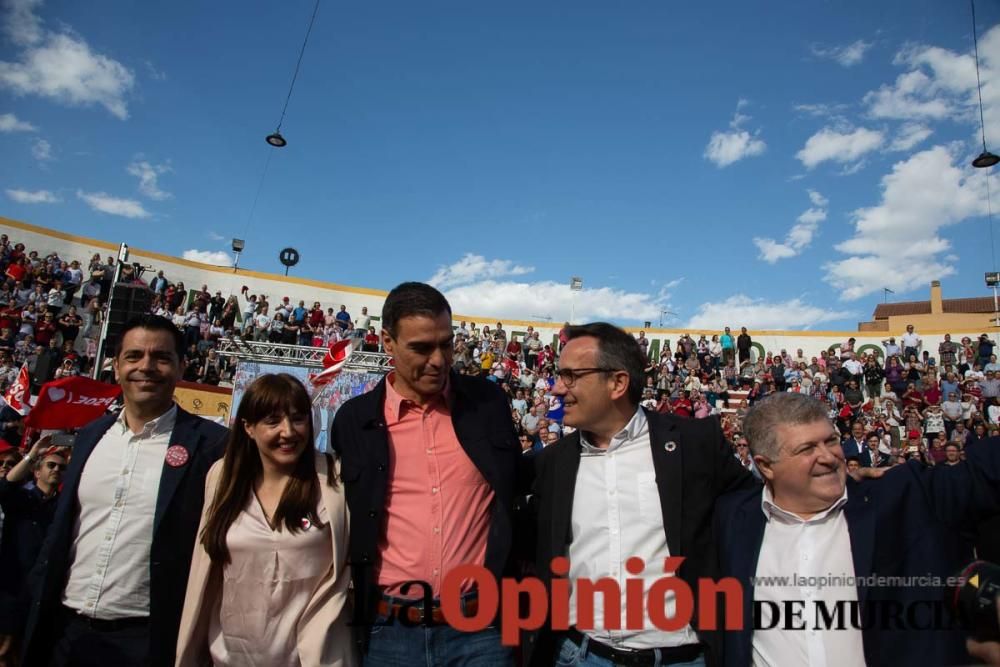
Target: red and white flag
(334, 361)
(19, 393)
(71, 402)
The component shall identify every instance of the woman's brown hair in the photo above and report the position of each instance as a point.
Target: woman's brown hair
(272, 394)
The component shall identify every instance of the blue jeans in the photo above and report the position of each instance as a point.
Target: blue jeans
(571, 654)
(397, 645)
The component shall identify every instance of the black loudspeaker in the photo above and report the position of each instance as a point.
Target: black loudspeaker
(127, 302)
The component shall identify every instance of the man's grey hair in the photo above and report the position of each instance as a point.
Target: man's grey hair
(762, 420)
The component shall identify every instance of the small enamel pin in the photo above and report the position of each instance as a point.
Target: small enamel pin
(670, 446)
(306, 524)
(176, 456)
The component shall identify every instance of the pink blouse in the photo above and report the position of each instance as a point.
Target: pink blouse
(265, 589)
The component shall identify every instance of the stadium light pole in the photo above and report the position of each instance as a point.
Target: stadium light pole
(575, 285)
(985, 159)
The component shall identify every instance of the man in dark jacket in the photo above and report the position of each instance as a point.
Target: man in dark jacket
(109, 585)
(429, 463)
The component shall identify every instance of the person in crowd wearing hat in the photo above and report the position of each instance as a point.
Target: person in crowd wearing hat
(28, 511)
(109, 586)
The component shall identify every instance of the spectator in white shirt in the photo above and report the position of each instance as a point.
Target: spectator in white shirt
(911, 342)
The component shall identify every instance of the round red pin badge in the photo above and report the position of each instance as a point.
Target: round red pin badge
(306, 523)
(177, 456)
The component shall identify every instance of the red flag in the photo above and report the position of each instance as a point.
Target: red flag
(17, 393)
(333, 362)
(71, 402)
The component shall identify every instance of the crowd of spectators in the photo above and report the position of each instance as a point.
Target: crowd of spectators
(919, 404)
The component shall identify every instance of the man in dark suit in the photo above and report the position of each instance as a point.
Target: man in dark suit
(109, 585)
(428, 460)
(872, 457)
(627, 483)
(812, 522)
(855, 444)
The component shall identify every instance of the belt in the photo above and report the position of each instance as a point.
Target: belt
(101, 625)
(414, 612)
(669, 655)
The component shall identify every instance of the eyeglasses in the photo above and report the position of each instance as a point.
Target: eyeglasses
(569, 376)
(52, 465)
(7, 464)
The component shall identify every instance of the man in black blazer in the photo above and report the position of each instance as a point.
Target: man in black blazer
(811, 520)
(428, 460)
(109, 584)
(628, 482)
(872, 457)
(855, 443)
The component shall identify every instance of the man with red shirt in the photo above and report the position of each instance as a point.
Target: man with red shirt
(683, 406)
(45, 330)
(428, 460)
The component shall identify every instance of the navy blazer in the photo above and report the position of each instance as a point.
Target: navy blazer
(480, 415)
(178, 511)
(694, 465)
(865, 459)
(906, 523)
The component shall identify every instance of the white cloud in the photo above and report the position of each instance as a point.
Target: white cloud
(726, 147)
(60, 65)
(28, 197)
(742, 310)
(474, 286)
(847, 55)
(10, 123)
(215, 257)
(821, 110)
(839, 146)
(799, 237)
(215, 236)
(20, 23)
(896, 244)
(154, 73)
(148, 174)
(41, 150)
(817, 199)
(105, 203)
(909, 135)
(939, 84)
(472, 268)
(523, 300)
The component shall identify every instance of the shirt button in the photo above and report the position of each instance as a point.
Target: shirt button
(437, 530)
(434, 489)
(435, 572)
(430, 451)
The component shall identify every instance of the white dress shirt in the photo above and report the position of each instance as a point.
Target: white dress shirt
(617, 515)
(113, 531)
(816, 547)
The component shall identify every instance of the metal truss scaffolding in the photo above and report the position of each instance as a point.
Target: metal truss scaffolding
(297, 355)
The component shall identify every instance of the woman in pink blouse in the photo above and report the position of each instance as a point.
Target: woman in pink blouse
(269, 577)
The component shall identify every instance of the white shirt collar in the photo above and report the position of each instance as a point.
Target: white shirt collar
(772, 510)
(162, 424)
(636, 427)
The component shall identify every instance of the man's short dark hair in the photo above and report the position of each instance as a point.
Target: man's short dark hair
(410, 299)
(616, 349)
(153, 323)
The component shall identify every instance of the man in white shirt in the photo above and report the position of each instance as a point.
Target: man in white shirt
(111, 579)
(813, 544)
(629, 484)
(911, 343)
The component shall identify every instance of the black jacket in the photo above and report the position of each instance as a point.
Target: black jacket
(27, 516)
(483, 425)
(690, 476)
(906, 524)
(178, 510)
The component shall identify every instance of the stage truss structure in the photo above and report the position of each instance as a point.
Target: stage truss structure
(298, 355)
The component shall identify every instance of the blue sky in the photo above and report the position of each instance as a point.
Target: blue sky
(772, 165)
